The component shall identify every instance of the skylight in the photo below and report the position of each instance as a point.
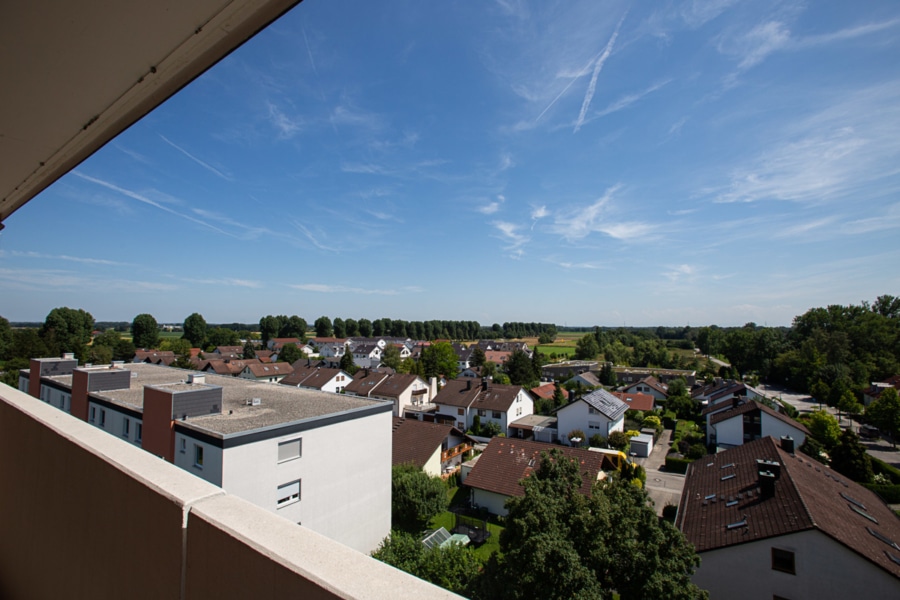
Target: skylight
(737, 524)
(863, 513)
(852, 500)
(883, 538)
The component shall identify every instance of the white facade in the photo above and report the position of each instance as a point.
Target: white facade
(730, 432)
(406, 398)
(354, 508)
(522, 406)
(123, 425)
(492, 501)
(581, 415)
(824, 568)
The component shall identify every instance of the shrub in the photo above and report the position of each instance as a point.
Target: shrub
(696, 451)
(632, 433)
(889, 493)
(669, 418)
(597, 441)
(654, 422)
(670, 511)
(882, 468)
(789, 409)
(579, 434)
(618, 440)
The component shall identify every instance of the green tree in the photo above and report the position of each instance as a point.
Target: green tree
(440, 359)
(619, 440)
(67, 330)
(391, 357)
(825, 428)
(290, 353)
(99, 355)
(520, 369)
(6, 339)
(293, 327)
(850, 458)
(269, 326)
(340, 328)
(220, 336)
(607, 376)
(546, 338)
(478, 358)
(365, 328)
(27, 344)
(249, 350)
(849, 404)
(884, 412)
(586, 348)
(415, 498)
(195, 330)
(176, 345)
(347, 363)
(145, 331)
(453, 567)
(324, 327)
(560, 544)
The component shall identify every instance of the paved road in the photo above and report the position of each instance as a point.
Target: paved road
(662, 487)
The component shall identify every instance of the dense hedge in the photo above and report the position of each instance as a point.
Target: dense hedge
(677, 465)
(882, 468)
(889, 493)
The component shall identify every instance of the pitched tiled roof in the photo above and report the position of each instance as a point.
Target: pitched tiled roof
(545, 391)
(652, 382)
(752, 405)
(468, 393)
(364, 381)
(506, 461)
(395, 384)
(269, 369)
(590, 378)
(636, 401)
(229, 350)
(495, 356)
(608, 405)
(807, 495)
(415, 441)
(311, 377)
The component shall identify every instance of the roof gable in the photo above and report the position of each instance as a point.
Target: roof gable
(608, 405)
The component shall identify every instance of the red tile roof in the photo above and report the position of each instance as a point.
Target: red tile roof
(545, 391)
(807, 495)
(507, 461)
(636, 401)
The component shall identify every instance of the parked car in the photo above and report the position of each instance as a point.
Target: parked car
(869, 432)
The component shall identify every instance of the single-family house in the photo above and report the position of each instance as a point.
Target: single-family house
(461, 400)
(436, 448)
(154, 357)
(317, 378)
(495, 476)
(367, 355)
(769, 522)
(586, 379)
(268, 372)
(750, 420)
(648, 385)
(329, 347)
(629, 375)
(596, 412)
(275, 344)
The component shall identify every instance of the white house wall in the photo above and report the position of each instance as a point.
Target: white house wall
(824, 569)
(493, 502)
(211, 470)
(345, 474)
(114, 422)
(433, 464)
(577, 416)
(777, 428)
(729, 432)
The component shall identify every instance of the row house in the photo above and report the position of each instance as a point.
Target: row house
(317, 378)
(436, 448)
(266, 372)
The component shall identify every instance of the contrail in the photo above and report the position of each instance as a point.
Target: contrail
(598, 66)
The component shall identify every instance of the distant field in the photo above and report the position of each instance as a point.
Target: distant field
(168, 335)
(559, 350)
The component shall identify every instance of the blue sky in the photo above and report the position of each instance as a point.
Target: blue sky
(579, 163)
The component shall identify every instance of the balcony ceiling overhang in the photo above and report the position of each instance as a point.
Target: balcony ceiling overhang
(76, 74)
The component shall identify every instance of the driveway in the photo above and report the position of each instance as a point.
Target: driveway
(662, 487)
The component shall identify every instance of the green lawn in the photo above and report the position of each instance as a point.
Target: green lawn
(459, 496)
(559, 350)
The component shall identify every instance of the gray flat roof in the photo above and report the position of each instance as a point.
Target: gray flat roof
(279, 404)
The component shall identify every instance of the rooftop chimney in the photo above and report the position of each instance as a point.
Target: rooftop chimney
(767, 484)
(770, 466)
(196, 378)
(484, 384)
(468, 384)
(787, 444)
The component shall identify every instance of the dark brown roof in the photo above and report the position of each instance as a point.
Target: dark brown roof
(507, 461)
(807, 496)
(364, 381)
(752, 405)
(416, 441)
(394, 385)
(269, 369)
(497, 397)
(651, 381)
(311, 377)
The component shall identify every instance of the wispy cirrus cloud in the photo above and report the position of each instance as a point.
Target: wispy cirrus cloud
(599, 217)
(681, 272)
(203, 164)
(847, 147)
(509, 233)
(324, 288)
(492, 206)
(47, 280)
(287, 127)
(227, 281)
(65, 257)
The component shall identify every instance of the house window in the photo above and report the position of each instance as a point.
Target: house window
(93, 414)
(138, 432)
(290, 450)
(198, 456)
(594, 425)
(183, 445)
(460, 425)
(102, 417)
(783, 560)
(460, 411)
(126, 427)
(288, 493)
(482, 412)
(592, 410)
(496, 414)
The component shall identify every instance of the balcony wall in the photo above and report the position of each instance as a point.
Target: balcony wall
(86, 515)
